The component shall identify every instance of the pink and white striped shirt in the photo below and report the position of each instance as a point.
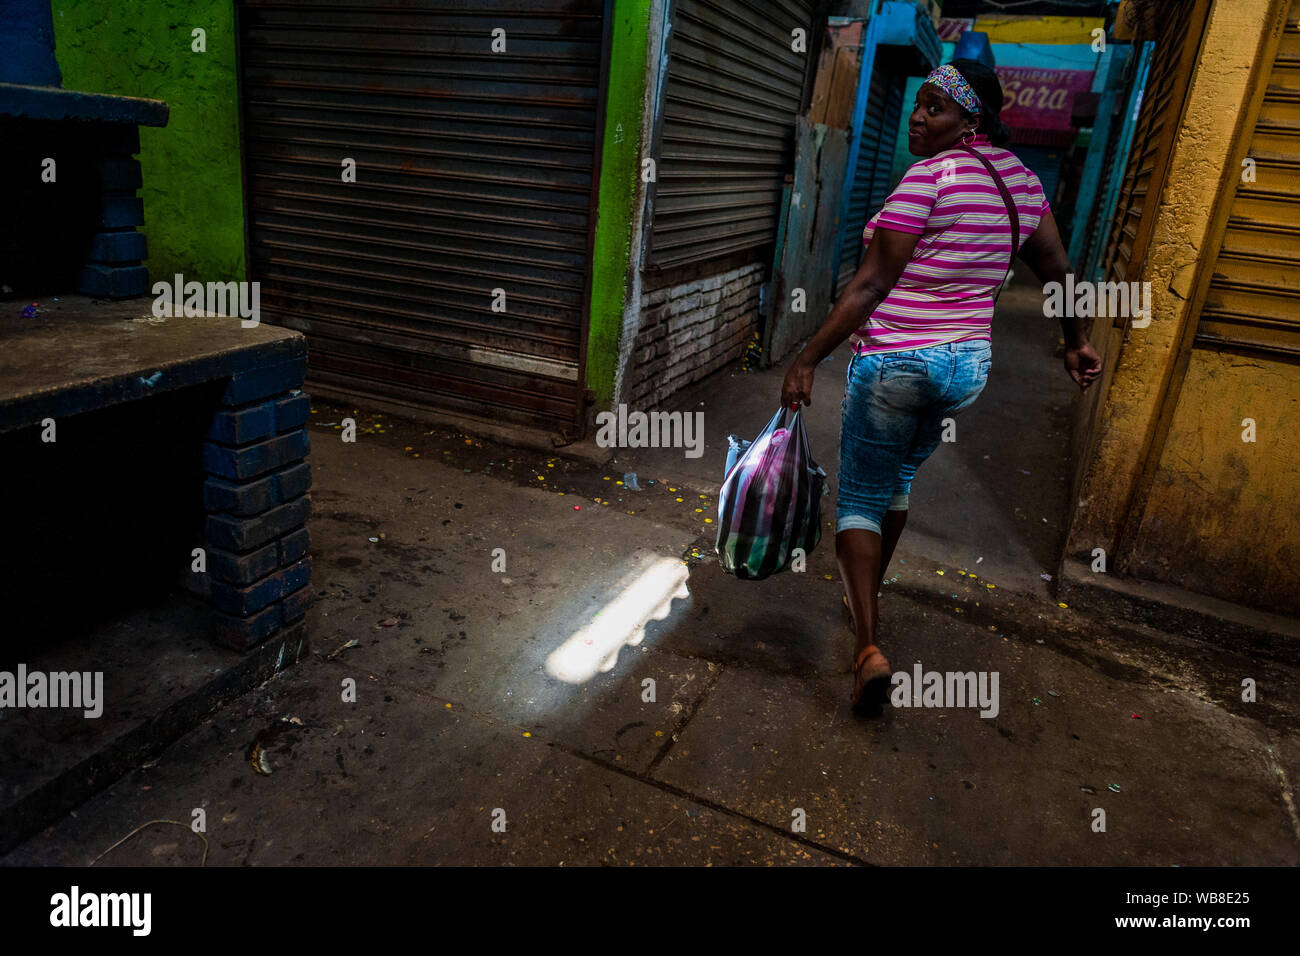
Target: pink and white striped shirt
(945, 293)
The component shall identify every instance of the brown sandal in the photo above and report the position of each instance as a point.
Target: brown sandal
(871, 681)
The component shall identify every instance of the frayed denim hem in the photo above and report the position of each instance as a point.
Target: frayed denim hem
(856, 523)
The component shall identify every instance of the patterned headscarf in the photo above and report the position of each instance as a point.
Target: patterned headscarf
(949, 79)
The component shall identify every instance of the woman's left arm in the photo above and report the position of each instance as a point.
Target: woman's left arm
(886, 258)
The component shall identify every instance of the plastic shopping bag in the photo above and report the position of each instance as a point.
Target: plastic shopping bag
(770, 502)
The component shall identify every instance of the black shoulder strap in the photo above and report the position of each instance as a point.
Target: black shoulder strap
(1006, 198)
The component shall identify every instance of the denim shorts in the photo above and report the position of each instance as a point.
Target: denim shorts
(894, 408)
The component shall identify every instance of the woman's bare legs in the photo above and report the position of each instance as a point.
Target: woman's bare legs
(859, 554)
(864, 557)
(891, 529)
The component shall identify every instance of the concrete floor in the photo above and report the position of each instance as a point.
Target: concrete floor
(999, 492)
(608, 697)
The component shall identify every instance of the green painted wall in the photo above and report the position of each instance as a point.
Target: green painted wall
(193, 192)
(619, 181)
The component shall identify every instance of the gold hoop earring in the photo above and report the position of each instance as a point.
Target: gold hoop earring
(968, 138)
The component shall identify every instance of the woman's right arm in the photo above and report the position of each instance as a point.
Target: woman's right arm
(1045, 255)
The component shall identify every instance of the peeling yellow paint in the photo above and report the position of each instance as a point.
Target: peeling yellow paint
(1168, 477)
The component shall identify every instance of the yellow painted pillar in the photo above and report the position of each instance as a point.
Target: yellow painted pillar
(1126, 421)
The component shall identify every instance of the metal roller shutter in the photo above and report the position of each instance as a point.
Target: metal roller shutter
(1177, 46)
(1094, 218)
(475, 171)
(1044, 162)
(726, 137)
(871, 178)
(1253, 300)
(1117, 152)
(882, 168)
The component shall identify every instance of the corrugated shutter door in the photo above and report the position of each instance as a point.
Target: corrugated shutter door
(882, 168)
(1177, 45)
(874, 166)
(1083, 268)
(733, 88)
(1044, 162)
(1254, 296)
(474, 172)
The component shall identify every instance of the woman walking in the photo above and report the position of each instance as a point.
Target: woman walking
(919, 313)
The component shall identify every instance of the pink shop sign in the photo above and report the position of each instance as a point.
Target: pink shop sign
(1040, 99)
(951, 28)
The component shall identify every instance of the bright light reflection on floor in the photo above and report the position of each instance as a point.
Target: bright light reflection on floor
(647, 595)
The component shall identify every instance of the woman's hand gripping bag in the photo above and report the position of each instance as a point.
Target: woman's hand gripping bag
(770, 504)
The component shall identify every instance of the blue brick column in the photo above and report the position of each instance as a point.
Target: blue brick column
(258, 576)
(114, 268)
